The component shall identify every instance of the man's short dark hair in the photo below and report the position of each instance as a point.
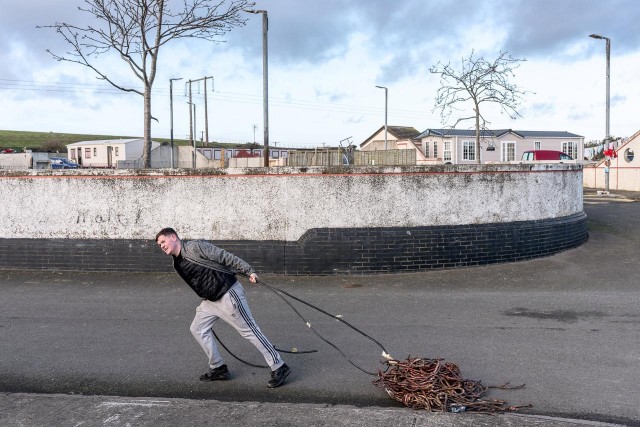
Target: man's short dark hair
(167, 231)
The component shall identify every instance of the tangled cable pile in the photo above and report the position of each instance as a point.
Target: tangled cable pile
(437, 385)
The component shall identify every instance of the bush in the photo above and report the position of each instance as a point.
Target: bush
(53, 146)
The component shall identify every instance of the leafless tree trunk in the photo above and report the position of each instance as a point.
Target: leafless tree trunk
(136, 30)
(478, 81)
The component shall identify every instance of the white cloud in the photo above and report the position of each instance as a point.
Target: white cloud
(325, 60)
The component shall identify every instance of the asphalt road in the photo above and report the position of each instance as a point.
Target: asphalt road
(567, 326)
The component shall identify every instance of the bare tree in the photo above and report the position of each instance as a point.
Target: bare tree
(478, 81)
(136, 30)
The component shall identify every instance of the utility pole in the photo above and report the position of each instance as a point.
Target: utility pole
(195, 136)
(190, 102)
(192, 133)
(171, 114)
(206, 114)
(386, 91)
(607, 112)
(265, 85)
(265, 79)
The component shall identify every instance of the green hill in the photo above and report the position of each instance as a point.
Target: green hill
(53, 141)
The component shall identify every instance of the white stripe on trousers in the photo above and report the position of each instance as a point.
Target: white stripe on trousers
(233, 309)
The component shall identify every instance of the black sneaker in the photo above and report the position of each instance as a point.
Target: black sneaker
(278, 376)
(216, 374)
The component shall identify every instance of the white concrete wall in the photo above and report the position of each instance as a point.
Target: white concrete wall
(620, 178)
(16, 160)
(281, 204)
(183, 158)
(246, 162)
(26, 160)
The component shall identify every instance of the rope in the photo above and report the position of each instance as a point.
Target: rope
(281, 292)
(419, 383)
(253, 364)
(438, 385)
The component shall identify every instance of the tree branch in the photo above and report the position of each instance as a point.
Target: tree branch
(136, 30)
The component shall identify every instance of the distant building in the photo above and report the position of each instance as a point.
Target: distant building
(624, 167)
(394, 135)
(456, 146)
(242, 151)
(106, 153)
(397, 138)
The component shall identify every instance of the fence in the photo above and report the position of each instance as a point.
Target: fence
(296, 158)
(333, 157)
(129, 164)
(385, 157)
(320, 157)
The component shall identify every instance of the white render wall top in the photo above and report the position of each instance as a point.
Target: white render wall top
(281, 203)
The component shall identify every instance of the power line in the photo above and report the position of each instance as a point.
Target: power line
(256, 99)
(234, 97)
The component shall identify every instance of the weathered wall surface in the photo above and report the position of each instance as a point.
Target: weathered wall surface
(271, 215)
(25, 160)
(620, 178)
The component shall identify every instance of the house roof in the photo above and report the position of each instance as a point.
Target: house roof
(106, 141)
(497, 133)
(403, 132)
(398, 132)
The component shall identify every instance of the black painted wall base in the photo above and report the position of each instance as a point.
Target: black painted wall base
(322, 251)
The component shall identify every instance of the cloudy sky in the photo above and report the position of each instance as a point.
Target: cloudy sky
(325, 59)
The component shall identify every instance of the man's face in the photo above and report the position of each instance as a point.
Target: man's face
(170, 245)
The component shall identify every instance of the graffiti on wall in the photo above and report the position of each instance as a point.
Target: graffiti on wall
(109, 217)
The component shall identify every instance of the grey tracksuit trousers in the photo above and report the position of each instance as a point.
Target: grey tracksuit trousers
(233, 309)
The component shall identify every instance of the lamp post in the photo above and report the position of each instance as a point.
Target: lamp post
(386, 91)
(265, 80)
(171, 115)
(608, 136)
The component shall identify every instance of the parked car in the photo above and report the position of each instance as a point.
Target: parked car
(553, 155)
(63, 163)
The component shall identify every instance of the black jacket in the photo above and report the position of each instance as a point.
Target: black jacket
(209, 270)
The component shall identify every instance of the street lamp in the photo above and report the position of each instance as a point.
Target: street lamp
(385, 113)
(608, 53)
(171, 115)
(265, 80)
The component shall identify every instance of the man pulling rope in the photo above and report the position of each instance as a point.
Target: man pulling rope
(211, 272)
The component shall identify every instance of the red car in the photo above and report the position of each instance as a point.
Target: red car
(529, 156)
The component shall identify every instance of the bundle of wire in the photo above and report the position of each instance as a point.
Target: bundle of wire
(437, 385)
(430, 384)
